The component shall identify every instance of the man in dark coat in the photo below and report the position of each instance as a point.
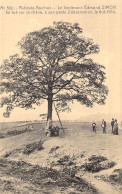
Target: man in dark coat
(112, 125)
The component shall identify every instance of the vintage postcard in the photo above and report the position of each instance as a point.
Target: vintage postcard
(60, 96)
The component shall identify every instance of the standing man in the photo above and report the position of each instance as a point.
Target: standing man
(112, 125)
(103, 125)
(115, 127)
(94, 126)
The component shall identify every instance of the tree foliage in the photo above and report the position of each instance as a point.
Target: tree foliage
(55, 65)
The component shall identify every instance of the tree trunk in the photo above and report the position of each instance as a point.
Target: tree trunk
(50, 105)
(48, 129)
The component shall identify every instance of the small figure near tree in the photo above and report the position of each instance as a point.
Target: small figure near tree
(55, 131)
(103, 125)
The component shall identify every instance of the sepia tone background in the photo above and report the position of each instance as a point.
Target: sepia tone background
(104, 29)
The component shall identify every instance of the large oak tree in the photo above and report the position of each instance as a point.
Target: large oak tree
(54, 65)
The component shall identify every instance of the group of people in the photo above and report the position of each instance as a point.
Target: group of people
(114, 126)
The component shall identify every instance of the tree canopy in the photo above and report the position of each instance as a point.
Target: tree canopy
(54, 65)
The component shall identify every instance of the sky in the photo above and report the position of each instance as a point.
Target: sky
(104, 29)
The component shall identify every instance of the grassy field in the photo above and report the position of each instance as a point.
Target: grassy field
(79, 161)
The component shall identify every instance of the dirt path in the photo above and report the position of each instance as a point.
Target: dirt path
(101, 186)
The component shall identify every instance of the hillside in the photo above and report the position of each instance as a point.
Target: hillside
(88, 162)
